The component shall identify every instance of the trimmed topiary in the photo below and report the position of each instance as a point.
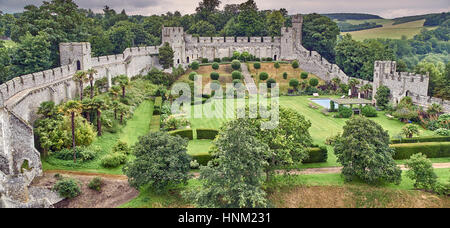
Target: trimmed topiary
(313, 82)
(207, 133)
(185, 133)
(195, 65)
(215, 66)
(263, 76)
(369, 111)
(271, 83)
(304, 75)
(236, 64)
(236, 75)
(192, 75)
(285, 75)
(214, 76)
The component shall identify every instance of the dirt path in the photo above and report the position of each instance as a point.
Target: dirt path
(249, 82)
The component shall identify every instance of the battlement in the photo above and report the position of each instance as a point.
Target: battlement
(190, 40)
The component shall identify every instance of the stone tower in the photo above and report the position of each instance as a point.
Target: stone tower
(175, 37)
(297, 24)
(380, 71)
(78, 53)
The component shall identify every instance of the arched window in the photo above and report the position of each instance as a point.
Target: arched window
(275, 57)
(178, 61)
(78, 65)
(187, 59)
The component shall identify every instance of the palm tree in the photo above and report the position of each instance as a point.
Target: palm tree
(336, 81)
(115, 106)
(353, 82)
(123, 82)
(87, 108)
(91, 72)
(73, 108)
(81, 77)
(434, 110)
(97, 105)
(114, 92)
(122, 110)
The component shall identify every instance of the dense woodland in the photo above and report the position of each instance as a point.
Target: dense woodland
(38, 30)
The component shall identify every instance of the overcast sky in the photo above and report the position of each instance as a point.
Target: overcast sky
(384, 8)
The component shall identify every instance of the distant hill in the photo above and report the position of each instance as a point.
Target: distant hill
(433, 19)
(351, 16)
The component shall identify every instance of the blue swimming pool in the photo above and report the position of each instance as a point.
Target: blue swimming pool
(324, 102)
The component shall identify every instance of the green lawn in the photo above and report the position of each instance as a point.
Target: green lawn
(137, 126)
(199, 146)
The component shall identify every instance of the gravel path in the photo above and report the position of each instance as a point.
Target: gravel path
(249, 82)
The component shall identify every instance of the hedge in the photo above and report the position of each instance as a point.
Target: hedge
(207, 133)
(202, 159)
(317, 154)
(430, 149)
(422, 139)
(185, 133)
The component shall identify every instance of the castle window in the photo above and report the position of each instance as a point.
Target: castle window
(275, 57)
(262, 39)
(178, 61)
(248, 39)
(78, 65)
(187, 59)
(235, 39)
(224, 39)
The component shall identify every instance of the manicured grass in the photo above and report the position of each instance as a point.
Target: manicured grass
(155, 123)
(199, 146)
(137, 126)
(390, 31)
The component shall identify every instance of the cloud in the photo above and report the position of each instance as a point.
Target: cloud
(384, 8)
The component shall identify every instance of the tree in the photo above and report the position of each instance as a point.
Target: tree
(382, 97)
(122, 110)
(214, 76)
(435, 110)
(320, 34)
(235, 177)
(277, 66)
(285, 75)
(81, 78)
(263, 76)
(420, 169)
(123, 81)
(161, 161)
(364, 152)
(236, 75)
(336, 82)
(73, 108)
(295, 65)
(98, 105)
(166, 55)
(304, 75)
(87, 107)
(353, 83)
(274, 22)
(257, 66)
(203, 29)
(121, 36)
(436, 72)
(313, 82)
(236, 64)
(195, 65)
(409, 130)
(294, 83)
(91, 72)
(215, 66)
(31, 55)
(271, 83)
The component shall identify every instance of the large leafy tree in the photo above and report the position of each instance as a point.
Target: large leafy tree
(166, 55)
(121, 37)
(383, 96)
(364, 152)
(32, 54)
(274, 22)
(161, 161)
(320, 34)
(235, 176)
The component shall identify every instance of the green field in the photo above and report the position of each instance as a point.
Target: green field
(388, 30)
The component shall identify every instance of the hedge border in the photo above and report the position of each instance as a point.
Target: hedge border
(317, 154)
(185, 133)
(205, 133)
(421, 139)
(430, 149)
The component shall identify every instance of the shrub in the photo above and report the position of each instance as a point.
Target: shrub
(295, 64)
(121, 147)
(430, 149)
(68, 188)
(202, 159)
(82, 153)
(304, 75)
(294, 83)
(369, 111)
(215, 66)
(269, 59)
(207, 133)
(195, 65)
(217, 60)
(192, 75)
(442, 132)
(215, 85)
(409, 130)
(263, 76)
(317, 154)
(236, 81)
(285, 75)
(96, 184)
(226, 59)
(271, 83)
(332, 108)
(313, 82)
(194, 164)
(185, 133)
(421, 139)
(214, 76)
(236, 64)
(236, 75)
(421, 171)
(204, 60)
(257, 65)
(113, 160)
(344, 112)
